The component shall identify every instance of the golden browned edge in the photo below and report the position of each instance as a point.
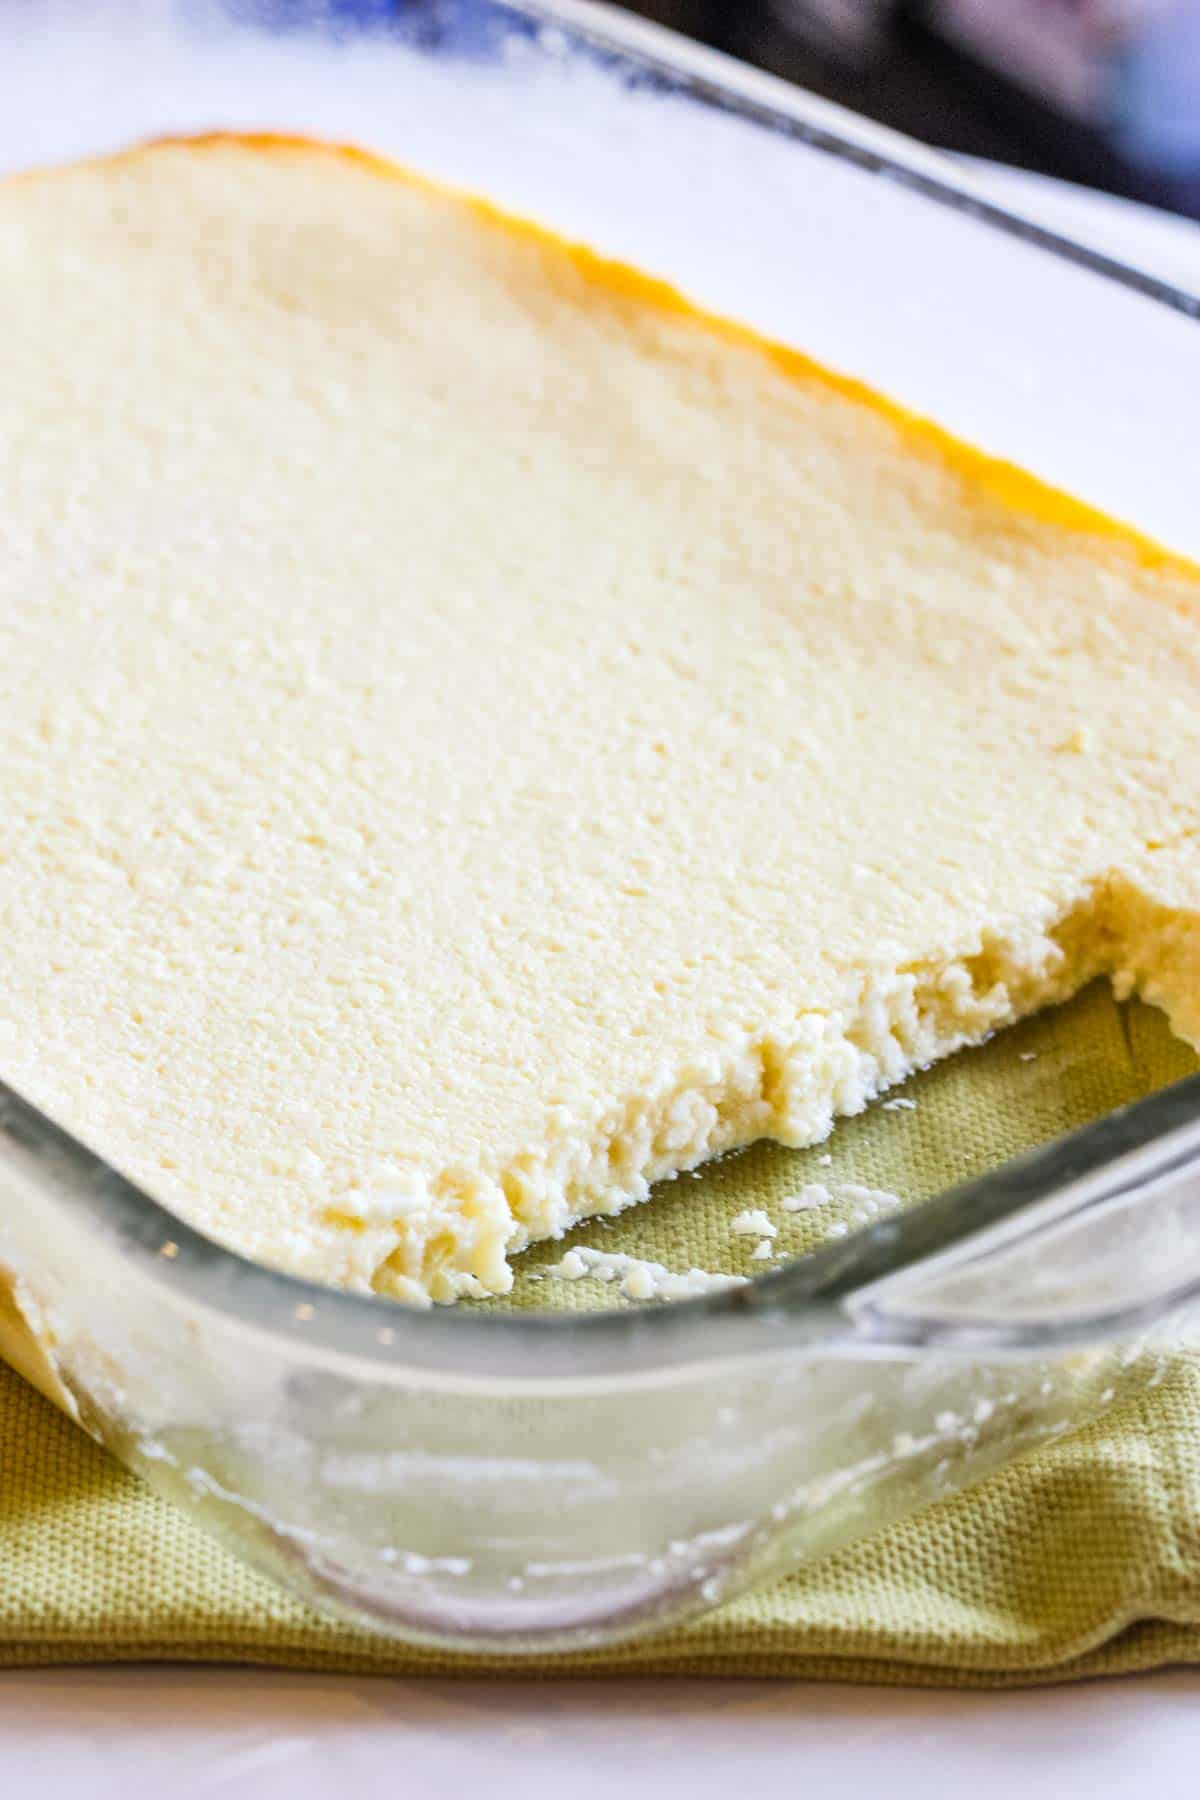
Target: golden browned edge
(983, 475)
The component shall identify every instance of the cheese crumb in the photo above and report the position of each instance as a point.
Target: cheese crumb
(852, 1190)
(638, 1278)
(753, 1223)
(812, 1194)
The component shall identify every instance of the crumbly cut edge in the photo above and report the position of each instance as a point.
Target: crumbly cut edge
(451, 1233)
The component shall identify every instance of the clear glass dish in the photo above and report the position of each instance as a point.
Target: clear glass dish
(529, 1481)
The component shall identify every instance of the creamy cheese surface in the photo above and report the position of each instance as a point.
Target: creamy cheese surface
(476, 737)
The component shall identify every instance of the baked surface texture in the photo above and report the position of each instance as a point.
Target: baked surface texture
(477, 736)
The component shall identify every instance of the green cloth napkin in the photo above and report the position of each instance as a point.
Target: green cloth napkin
(1082, 1558)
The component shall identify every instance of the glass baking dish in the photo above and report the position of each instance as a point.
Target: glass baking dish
(527, 1481)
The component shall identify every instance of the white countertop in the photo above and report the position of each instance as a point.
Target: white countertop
(109, 1734)
(90, 1734)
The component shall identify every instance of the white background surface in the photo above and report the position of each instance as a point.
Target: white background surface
(180, 1733)
(91, 1734)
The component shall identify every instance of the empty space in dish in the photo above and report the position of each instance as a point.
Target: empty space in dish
(1032, 1083)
